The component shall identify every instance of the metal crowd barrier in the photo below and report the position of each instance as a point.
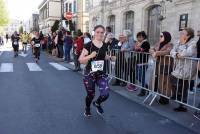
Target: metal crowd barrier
(164, 76)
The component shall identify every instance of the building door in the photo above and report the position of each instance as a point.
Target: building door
(154, 24)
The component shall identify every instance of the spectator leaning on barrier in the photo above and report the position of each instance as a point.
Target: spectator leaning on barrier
(141, 48)
(120, 61)
(112, 42)
(163, 66)
(184, 69)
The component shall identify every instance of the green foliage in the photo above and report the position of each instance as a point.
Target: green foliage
(4, 19)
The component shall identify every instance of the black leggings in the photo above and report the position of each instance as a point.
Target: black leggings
(37, 52)
(90, 80)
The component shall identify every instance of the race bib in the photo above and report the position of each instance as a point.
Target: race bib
(37, 45)
(97, 65)
(15, 43)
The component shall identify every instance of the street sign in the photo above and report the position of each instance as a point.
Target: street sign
(69, 16)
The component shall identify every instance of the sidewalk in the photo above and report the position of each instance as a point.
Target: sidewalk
(185, 119)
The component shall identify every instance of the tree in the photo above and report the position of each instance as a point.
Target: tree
(55, 26)
(3, 14)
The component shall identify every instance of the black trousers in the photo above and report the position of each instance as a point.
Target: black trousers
(179, 89)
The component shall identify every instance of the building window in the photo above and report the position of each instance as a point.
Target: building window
(87, 5)
(70, 7)
(129, 21)
(111, 22)
(74, 6)
(87, 26)
(66, 7)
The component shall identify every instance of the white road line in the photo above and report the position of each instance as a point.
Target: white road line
(33, 67)
(58, 66)
(6, 67)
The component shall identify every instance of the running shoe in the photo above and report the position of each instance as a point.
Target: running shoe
(98, 108)
(87, 112)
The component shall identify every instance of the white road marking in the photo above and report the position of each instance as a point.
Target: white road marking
(33, 67)
(23, 54)
(58, 66)
(6, 67)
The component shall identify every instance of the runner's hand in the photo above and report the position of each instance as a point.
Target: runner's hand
(93, 54)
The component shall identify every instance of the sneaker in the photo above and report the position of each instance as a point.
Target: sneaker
(197, 115)
(87, 112)
(131, 87)
(98, 108)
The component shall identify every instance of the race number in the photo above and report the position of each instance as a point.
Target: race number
(37, 45)
(97, 65)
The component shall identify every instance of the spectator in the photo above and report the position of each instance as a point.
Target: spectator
(108, 31)
(142, 46)
(78, 46)
(87, 38)
(112, 42)
(163, 66)
(7, 38)
(68, 41)
(50, 42)
(185, 69)
(54, 44)
(60, 43)
(122, 61)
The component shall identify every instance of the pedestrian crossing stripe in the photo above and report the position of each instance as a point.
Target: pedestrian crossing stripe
(33, 67)
(58, 66)
(6, 67)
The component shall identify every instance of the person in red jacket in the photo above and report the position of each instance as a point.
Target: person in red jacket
(78, 47)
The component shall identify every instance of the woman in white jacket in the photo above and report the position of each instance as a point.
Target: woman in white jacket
(184, 69)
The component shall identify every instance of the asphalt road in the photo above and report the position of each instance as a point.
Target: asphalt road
(50, 100)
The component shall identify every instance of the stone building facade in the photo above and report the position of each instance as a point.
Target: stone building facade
(49, 12)
(152, 16)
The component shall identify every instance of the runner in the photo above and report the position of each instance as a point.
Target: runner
(15, 43)
(7, 38)
(36, 46)
(25, 38)
(94, 55)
